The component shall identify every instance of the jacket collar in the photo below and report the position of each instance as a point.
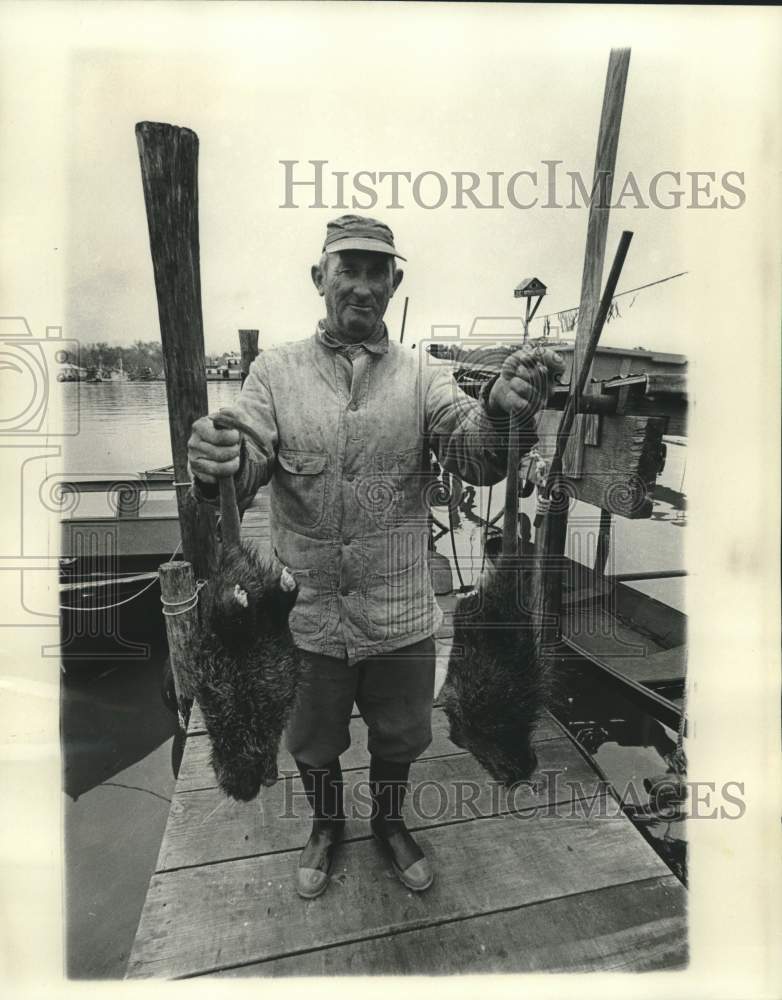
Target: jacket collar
(376, 344)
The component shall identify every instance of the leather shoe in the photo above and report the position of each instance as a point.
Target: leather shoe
(323, 787)
(312, 875)
(388, 785)
(411, 866)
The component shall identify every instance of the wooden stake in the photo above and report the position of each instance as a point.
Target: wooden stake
(552, 535)
(404, 320)
(169, 174)
(550, 543)
(180, 608)
(597, 232)
(248, 345)
(510, 523)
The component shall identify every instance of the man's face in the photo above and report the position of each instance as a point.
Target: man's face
(357, 286)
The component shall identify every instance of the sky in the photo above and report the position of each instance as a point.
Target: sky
(382, 88)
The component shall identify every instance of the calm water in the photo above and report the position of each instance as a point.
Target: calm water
(123, 426)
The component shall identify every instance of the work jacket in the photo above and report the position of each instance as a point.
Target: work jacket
(348, 434)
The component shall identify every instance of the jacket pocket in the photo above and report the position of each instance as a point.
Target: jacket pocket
(300, 487)
(393, 489)
(399, 597)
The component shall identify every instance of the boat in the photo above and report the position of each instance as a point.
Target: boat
(117, 374)
(228, 368)
(144, 374)
(71, 373)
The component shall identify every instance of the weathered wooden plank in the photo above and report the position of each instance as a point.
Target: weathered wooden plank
(198, 920)
(248, 346)
(169, 173)
(597, 232)
(178, 591)
(636, 927)
(619, 472)
(204, 826)
(196, 772)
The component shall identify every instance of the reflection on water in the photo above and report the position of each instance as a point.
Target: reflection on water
(634, 751)
(123, 426)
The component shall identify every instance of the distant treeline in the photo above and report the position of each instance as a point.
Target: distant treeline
(142, 354)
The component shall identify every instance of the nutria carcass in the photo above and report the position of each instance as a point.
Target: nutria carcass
(496, 686)
(247, 668)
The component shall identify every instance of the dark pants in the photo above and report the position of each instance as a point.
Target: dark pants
(393, 693)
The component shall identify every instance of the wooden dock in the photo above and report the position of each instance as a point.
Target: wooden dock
(545, 877)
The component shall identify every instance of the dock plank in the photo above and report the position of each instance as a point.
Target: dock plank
(205, 826)
(203, 919)
(196, 772)
(635, 927)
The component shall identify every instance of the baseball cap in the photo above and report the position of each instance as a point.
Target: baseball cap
(359, 232)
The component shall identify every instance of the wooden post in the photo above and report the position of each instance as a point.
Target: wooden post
(510, 524)
(180, 610)
(597, 231)
(550, 543)
(248, 345)
(169, 173)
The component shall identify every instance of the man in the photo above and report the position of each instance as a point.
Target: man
(348, 418)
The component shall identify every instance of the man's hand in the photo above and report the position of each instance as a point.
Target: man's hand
(213, 454)
(523, 385)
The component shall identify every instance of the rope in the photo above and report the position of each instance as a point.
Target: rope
(189, 602)
(486, 533)
(127, 600)
(649, 284)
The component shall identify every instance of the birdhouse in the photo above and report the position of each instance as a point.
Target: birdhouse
(529, 288)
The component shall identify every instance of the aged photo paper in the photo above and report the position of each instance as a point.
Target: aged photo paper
(473, 132)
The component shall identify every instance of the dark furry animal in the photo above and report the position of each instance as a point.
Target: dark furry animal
(496, 686)
(247, 668)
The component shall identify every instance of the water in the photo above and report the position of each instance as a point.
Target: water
(119, 740)
(123, 426)
(120, 749)
(630, 747)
